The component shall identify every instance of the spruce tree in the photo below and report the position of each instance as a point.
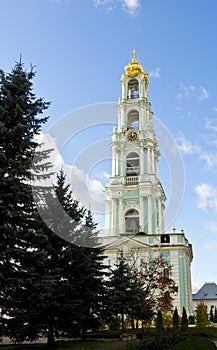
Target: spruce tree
(184, 321)
(159, 322)
(20, 121)
(74, 295)
(215, 315)
(85, 265)
(211, 316)
(121, 289)
(175, 320)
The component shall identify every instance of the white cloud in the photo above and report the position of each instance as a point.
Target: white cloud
(88, 191)
(57, 1)
(210, 245)
(209, 158)
(203, 93)
(187, 146)
(212, 226)
(108, 4)
(190, 90)
(207, 196)
(179, 96)
(155, 73)
(106, 175)
(196, 287)
(96, 189)
(211, 125)
(130, 6)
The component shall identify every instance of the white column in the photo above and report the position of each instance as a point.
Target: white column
(113, 161)
(113, 217)
(159, 208)
(142, 161)
(152, 161)
(156, 167)
(121, 216)
(149, 215)
(141, 216)
(119, 118)
(148, 161)
(123, 91)
(122, 160)
(162, 214)
(116, 162)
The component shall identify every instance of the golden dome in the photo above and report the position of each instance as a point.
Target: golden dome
(134, 68)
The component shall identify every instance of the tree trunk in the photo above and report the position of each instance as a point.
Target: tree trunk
(50, 338)
(132, 322)
(122, 322)
(83, 333)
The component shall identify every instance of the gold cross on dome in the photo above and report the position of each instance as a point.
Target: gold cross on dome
(134, 52)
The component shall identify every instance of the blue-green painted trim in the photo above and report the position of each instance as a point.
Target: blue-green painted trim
(145, 160)
(182, 283)
(180, 239)
(153, 215)
(146, 215)
(117, 214)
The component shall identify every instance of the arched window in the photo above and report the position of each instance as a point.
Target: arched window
(133, 89)
(133, 120)
(132, 221)
(132, 161)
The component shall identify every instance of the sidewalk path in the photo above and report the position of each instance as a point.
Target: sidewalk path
(215, 342)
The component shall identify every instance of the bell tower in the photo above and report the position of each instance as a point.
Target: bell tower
(134, 197)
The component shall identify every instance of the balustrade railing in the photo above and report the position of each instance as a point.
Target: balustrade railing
(131, 180)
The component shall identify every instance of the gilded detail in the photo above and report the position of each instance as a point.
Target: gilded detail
(133, 69)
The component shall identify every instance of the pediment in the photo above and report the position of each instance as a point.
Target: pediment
(125, 243)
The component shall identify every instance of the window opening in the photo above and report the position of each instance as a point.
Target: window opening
(133, 167)
(133, 89)
(132, 221)
(133, 120)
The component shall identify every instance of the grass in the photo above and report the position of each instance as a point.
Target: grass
(75, 345)
(194, 339)
(194, 343)
(81, 345)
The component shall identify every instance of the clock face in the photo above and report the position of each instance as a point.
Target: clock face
(132, 135)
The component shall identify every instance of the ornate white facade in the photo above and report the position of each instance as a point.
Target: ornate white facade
(135, 199)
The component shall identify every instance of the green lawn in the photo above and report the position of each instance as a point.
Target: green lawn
(76, 345)
(195, 340)
(195, 343)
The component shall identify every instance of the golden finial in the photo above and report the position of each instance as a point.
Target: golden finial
(134, 68)
(134, 52)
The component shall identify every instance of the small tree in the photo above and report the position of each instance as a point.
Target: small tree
(215, 315)
(159, 322)
(184, 321)
(159, 287)
(211, 316)
(191, 319)
(175, 320)
(201, 315)
(120, 289)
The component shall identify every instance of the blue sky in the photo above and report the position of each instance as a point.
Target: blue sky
(80, 49)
